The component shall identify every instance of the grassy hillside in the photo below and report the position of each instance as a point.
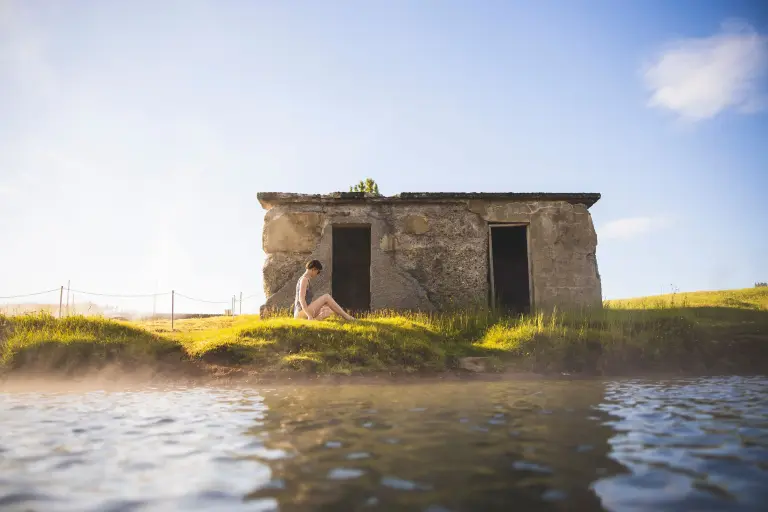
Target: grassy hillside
(746, 298)
(693, 332)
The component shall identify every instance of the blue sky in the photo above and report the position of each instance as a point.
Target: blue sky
(134, 136)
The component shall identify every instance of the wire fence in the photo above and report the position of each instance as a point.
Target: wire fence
(65, 301)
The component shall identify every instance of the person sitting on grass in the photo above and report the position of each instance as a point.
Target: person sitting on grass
(320, 308)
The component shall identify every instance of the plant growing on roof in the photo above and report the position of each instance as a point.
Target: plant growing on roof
(368, 186)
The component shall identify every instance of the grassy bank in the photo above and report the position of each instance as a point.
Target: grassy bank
(694, 332)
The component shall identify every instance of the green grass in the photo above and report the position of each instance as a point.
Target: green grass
(746, 298)
(696, 332)
(43, 341)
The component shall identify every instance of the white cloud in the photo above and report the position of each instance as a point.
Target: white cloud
(699, 78)
(631, 227)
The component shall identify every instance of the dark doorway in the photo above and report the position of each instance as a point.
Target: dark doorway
(509, 269)
(351, 272)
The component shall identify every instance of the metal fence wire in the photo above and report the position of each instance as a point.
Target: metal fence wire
(234, 306)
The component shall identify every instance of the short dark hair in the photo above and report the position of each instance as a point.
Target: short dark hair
(314, 264)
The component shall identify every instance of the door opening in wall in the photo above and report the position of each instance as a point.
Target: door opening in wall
(351, 267)
(509, 268)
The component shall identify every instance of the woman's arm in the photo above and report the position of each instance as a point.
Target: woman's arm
(303, 298)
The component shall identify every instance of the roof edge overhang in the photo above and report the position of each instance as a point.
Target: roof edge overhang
(270, 199)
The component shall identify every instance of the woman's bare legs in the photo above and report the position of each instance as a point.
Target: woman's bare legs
(327, 301)
(324, 313)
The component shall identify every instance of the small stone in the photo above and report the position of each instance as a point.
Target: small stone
(474, 364)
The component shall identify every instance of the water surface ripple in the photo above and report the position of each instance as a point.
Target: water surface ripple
(684, 444)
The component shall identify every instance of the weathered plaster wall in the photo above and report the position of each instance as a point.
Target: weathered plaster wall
(431, 256)
(563, 246)
(445, 248)
(391, 286)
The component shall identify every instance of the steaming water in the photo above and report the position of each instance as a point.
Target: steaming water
(689, 444)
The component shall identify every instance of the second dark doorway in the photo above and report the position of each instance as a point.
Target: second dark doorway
(509, 278)
(351, 268)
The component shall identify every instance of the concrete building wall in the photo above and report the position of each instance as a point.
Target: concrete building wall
(434, 255)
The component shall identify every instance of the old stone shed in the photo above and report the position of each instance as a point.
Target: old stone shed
(434, 251)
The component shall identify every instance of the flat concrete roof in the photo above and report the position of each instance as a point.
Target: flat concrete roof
(271, 199)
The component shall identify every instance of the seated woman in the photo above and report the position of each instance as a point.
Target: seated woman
(320, 308)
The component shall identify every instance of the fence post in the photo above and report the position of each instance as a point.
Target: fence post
(173, 300)
(241, 303)
(61, 297)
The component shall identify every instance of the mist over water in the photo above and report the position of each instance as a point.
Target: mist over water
(683, 444)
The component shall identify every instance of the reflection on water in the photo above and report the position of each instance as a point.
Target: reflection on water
(463, 446)
(98, 451)
(699, 444)
(702, 443)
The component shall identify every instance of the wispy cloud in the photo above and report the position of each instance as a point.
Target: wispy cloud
(631, 227)
(699, 78)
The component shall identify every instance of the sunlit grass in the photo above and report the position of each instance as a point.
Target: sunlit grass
(686, 331)
(41, 338)
(746, 298)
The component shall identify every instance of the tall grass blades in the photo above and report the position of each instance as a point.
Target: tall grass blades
(678, 332)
